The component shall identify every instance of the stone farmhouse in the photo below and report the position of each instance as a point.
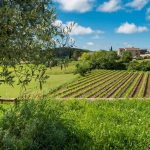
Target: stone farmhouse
(134, 51)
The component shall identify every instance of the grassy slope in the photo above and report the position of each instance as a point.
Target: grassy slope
(99, 125)
(68, 70)
(57, 78)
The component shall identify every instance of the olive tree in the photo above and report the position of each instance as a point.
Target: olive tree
(28, 33)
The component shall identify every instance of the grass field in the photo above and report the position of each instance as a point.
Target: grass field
(108, 84)
(57, 77)
(69, 70)
(98, 125)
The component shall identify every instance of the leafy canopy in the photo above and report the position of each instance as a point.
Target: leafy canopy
(28, 33)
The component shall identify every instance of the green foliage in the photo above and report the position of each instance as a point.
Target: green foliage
(70, 52)
(3, 109)
(23, 24)
(140, 66)
(140, 58)
(110, 61)
(85, 57)
(77, 125)
(146, 57)
(103, 60)
(27, 36)
(39, 125)
(83, 68)
(126, 57)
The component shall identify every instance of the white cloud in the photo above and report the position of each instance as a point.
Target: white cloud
(81, 30)
(90, 43)
(148, 14)
(78, 29)
(137, 4)
(110, 6)
(76, 5)
(127, 28)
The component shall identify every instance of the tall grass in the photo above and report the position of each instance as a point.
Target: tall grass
(81, 125)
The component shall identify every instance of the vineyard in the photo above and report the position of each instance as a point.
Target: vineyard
(108, 84)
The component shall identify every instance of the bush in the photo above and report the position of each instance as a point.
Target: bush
(100, 60)
(126, 57)
(83, 68)
(147, 57)
(140, 58)
(139, 66)
(38, 125)
(120, 66)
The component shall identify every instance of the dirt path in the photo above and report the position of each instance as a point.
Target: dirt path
(147, 93)
(138, 87)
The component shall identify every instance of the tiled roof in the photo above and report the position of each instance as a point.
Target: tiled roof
(132, 49)
(121, 48)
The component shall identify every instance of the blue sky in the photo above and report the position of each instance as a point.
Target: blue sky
(100, 24)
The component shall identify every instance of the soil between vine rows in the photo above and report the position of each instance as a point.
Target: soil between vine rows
(147, 94)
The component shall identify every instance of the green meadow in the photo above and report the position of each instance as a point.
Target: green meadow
(57, 77)
(102, 124)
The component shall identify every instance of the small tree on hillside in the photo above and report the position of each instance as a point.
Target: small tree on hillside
(126, 57)
(85, 56)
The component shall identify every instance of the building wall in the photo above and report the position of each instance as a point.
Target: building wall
(135, 53)
(120, 52)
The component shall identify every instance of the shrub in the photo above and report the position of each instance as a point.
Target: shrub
(100, 60)
(37, 125)
(139, 66)
(126, 57)
(120, 66)
(83, 68)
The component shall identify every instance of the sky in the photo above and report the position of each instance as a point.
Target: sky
(100, 24)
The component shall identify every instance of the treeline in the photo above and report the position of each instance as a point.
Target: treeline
(64, 52)
(109, 60)
(71, 53)
(139, 66)
(61, 56)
